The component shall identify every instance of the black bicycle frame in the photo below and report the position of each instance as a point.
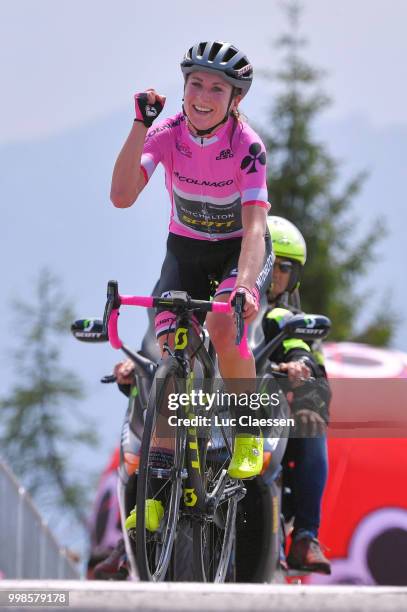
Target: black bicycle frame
(196, 501)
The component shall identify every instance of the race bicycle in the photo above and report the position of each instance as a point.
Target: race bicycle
(206, 536)
(195, 486)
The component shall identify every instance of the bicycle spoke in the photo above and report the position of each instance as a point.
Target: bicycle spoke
(159, 488)
(214, 534)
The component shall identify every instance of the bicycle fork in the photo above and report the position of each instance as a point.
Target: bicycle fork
(196, 500)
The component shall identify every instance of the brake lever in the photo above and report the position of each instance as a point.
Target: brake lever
(113, 301)
(109, 378)
(238, 303)
(106, 315)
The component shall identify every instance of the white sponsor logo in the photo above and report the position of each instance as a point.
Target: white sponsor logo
(151, 111)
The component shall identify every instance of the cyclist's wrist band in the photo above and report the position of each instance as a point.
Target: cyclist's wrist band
(251, 291)
(243, 287)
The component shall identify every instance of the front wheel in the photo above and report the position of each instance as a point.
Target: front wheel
(214, 532)
(214, 546)
(159, 484)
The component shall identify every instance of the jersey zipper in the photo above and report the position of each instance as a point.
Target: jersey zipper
(212, 238)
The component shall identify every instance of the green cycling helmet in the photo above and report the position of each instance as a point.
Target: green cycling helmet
(287, 239)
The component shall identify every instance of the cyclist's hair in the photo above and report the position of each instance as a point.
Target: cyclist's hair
(238, 119)
(235, 114)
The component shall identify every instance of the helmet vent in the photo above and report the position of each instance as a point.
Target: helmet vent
(216, 47)
(242, 63)
(231, 52)
(201, 49)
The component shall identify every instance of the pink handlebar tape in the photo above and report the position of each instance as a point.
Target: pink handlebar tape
(244, 350)
(127, 300)
(221, 307)
(135, 300)
(112, 329)
(147, 302)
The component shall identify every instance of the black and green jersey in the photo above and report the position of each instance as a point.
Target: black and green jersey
(313, 396)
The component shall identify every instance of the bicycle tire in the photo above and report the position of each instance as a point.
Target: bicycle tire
(153, 550)
(214, 537)
(181, 566)
(258, 533)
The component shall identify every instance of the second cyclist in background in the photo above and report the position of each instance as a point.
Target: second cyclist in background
(306, 453)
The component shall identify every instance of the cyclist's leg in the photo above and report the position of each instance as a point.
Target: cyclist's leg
(222, 328)
(231, 364)
(239, 374)
(310, 475)
(181, 271)
(309, 479)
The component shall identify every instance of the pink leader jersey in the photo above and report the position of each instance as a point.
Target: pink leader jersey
(208, 179)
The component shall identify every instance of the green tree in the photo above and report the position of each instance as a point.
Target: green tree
(38, 432)
(303, 188)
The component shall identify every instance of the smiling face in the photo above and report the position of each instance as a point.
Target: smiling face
(206, 99)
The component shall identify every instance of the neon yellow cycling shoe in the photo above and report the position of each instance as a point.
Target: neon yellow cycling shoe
(247, 458)
(154, 512)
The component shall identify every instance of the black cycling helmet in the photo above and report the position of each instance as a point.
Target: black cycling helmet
(221, 57)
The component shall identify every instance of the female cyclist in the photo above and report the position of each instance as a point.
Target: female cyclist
(215, 175)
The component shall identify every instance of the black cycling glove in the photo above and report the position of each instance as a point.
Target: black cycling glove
(146, 113)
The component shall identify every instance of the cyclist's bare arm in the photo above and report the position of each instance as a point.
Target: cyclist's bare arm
(252, 249)
(251, 255)
(128, 179)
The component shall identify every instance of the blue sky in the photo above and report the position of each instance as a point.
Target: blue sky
(67, 63)
(69, 70)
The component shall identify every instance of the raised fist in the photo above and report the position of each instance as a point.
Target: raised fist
(148, 105)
